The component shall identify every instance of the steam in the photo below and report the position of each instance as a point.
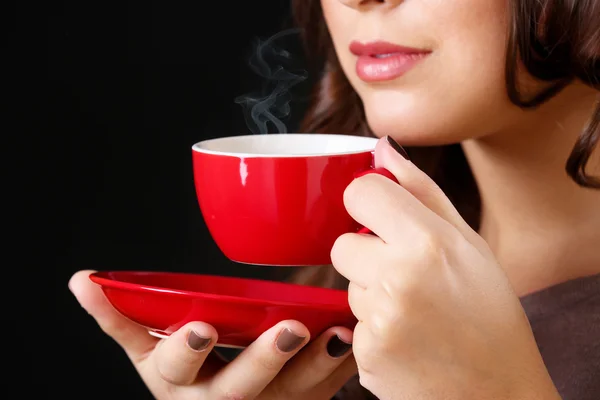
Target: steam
(272, 104)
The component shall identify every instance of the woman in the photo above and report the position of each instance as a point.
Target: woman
(484, 287)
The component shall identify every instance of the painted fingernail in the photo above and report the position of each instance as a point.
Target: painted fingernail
(197, 342)
(288, 341)
(397, 147)
(336, 347)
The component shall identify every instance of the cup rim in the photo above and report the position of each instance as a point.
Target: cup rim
(368, 147)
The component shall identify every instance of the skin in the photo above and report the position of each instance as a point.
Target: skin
(468, 338)
(173, 370)
(517, 156)
(526, 242)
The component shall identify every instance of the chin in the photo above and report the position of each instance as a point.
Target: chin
(414, 127)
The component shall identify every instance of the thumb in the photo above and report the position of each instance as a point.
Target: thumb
(391, 156)
(133, 338)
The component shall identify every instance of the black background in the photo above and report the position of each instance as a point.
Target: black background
(132, 87)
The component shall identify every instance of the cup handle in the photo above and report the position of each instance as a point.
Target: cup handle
(378, 171)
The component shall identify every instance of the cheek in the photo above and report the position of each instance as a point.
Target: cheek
(341, 22)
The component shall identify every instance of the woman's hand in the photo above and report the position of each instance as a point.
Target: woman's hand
(438, 318)
(278, 365)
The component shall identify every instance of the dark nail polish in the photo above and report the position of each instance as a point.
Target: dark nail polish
(336, 347)
(197, 342)
(288, 341)
(397, 147)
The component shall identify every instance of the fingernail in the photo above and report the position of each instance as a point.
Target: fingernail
(336, 347)
(399, 149)
(197, 342)
(288, 341)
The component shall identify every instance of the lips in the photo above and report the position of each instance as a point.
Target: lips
(382, 61)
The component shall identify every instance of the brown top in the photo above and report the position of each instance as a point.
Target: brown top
(566, 324)
(565, 320)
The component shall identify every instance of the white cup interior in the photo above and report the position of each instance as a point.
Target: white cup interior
(286, 145)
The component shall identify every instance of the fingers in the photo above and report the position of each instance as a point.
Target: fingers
(419, 184)
(133, 338)
(352, 255)
(180, 356)
(250, 372)
(317, 365)
(386, 208)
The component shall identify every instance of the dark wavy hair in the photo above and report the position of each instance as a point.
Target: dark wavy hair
(557, 41)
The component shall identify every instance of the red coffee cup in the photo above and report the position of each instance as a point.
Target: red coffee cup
(277, 199)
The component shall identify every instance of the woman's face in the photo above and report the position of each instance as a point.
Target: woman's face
(445, 84)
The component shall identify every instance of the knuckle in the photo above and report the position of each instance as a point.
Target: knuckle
(354, 190)
(385, 321)
(368, 351)
(362, 347)
(176, 368)
(367, 364)
(267, 362)
(170, 376)
(429, 250)
(428, 188)
(399, 287)
(180, 360)
(340, 247)
(189, 361)
(402, 290)
(359, 190)
(363, 357)
(458, 242)
(353, 300)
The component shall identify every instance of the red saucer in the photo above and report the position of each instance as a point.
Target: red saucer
(240, 309)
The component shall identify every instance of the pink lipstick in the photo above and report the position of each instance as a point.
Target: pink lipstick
(383, 61)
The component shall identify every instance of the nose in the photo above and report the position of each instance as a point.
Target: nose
(368, 4)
